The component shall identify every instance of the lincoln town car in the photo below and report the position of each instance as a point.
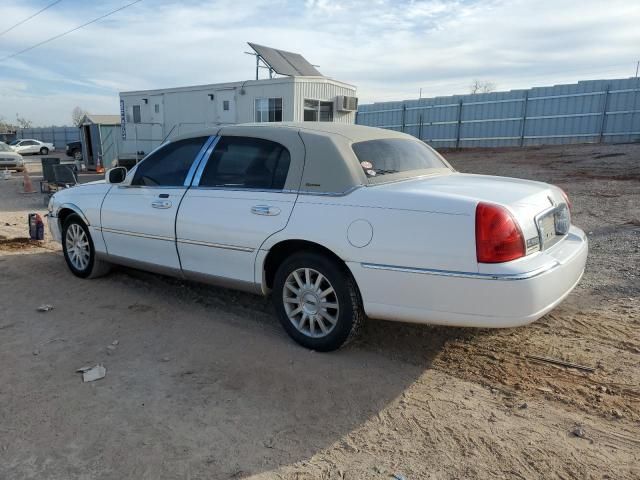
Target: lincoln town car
(337, 223)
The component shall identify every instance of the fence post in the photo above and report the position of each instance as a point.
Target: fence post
(604, 113)
(524, 117)
(404, 113)
(459, 124)
(420, 127)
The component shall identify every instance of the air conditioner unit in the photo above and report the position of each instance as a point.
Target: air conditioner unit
(346, 104)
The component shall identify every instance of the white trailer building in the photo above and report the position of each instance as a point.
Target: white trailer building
(302, 94)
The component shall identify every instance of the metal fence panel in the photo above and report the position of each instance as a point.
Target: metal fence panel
(59, 136)
(588, 111)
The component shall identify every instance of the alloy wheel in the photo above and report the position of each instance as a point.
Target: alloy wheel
(77, 245)
(310, 302)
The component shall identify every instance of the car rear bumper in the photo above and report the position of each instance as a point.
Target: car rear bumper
(470, 299)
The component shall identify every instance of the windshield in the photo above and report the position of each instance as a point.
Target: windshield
(396, 155)
(4, 147)
(15, 142)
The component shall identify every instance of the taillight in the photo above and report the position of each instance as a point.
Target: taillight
(566, 199)
(498, 236)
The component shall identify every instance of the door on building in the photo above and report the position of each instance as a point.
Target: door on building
(138, 220)
(87, 148)
(226, 106)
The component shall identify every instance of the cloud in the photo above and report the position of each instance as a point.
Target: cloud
(388, 49)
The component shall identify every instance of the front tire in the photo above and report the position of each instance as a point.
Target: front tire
(79, 251)
(44, 151)
(317, 301)
(77, 155)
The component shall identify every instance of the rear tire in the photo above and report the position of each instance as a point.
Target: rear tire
(79, 251)
(44, 151)
(317, 301)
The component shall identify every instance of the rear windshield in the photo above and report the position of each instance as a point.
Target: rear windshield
(396, 155)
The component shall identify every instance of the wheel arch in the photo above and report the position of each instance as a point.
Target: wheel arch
(67, 209)
(284, 249)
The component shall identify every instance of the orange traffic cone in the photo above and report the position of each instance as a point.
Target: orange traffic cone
(26, 182)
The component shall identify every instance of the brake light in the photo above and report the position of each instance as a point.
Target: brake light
(566, 198)
(498, 236)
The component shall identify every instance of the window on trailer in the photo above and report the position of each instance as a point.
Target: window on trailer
(318, 111)
(268, 110)
(136, 114)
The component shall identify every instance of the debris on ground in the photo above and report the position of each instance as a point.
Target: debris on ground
(165, 359)
(90, 374)
(562, 363)
(578, 431)
(45, 307)
(399, 476)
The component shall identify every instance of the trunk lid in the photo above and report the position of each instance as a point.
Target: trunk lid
(539, 208)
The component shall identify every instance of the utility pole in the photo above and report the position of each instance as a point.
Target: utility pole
(637, 67)
(421, 89)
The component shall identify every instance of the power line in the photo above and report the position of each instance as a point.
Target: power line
(68, 31)
(29, 18)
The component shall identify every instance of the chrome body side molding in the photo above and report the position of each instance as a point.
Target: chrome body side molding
(473, 275)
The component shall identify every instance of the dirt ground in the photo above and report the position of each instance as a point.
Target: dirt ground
(204, 384)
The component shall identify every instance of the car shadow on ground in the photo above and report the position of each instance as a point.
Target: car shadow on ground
(202, 381)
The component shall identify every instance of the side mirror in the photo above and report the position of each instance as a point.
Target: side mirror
(116, 175)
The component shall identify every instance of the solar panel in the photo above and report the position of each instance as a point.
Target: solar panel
(285, 63)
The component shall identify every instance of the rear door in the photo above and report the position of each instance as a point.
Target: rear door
(242, 194)
(138, 219)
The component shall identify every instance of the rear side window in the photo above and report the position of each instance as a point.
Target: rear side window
(395, 155)
(244, 162)
(168, 167)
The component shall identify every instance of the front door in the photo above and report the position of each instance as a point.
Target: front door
(226, 106)
(240, 197)
(138, 218)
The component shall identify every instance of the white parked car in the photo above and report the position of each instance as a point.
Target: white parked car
(29, 145)
(10, 160)
(336, 222)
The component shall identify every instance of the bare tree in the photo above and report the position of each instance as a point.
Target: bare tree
(481, 86)
(77, 114)
(23, 122)
(6, 126)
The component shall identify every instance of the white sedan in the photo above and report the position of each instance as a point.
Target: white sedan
(336, 222)
(29, 145)
(9, 159)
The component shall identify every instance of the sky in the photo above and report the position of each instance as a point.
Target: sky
(388, 49)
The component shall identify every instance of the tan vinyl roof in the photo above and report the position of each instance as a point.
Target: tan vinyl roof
(354, 133)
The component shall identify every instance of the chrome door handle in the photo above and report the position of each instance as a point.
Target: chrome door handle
(265, 210)
(161, 204)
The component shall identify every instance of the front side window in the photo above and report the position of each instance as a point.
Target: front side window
(318, 111)
(136, 114)
(395, 155)
(168, 167)
(268, 109)
(245, 162)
